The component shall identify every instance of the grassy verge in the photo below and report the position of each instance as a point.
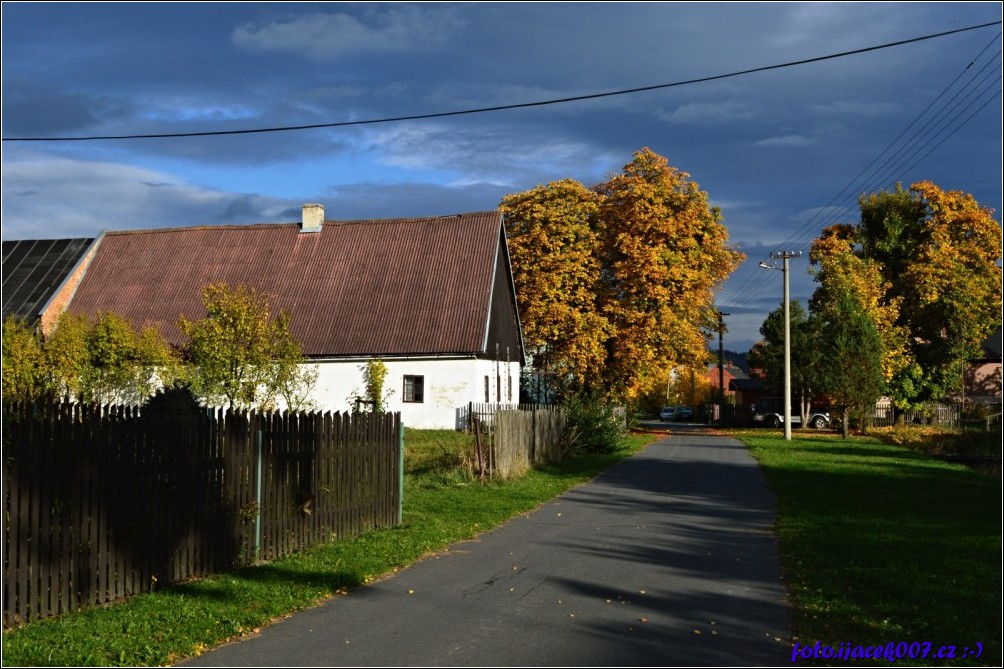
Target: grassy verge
(441, 506)
(880, 543)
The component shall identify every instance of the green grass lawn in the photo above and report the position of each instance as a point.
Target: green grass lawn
(441, 506)
(880, 543)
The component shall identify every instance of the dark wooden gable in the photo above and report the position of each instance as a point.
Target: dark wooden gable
(504, 338)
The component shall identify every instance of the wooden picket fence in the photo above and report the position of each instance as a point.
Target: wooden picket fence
(103, 503)
(515, 437)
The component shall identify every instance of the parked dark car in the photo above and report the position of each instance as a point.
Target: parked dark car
(684, 413)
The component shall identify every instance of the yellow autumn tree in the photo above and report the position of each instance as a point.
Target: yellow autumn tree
(554, 248)
(924, 263)
(616, 282)
(665, 252)
(840, 270)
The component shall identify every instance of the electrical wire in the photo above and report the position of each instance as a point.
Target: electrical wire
(895, 164)
(522, 105)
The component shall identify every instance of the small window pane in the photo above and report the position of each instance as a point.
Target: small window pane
(414, 388)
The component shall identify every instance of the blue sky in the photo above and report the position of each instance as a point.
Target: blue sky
(783, 152)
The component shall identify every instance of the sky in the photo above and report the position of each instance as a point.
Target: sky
(784, 151)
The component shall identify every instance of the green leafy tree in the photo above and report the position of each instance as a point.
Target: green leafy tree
(104, 361)
(294, 380)
(839, 268)
(805, 354)
(240, 353)
(23, 361)
(123, 365)
(851, 359)
(66, 356)
(925, 264)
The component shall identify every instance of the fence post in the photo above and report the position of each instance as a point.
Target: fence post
(400, 470)
(533, 434)
(256, 425)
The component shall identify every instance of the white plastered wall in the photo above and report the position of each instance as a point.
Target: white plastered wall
(449, 385)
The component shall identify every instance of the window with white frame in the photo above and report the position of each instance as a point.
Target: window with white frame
(414, 388)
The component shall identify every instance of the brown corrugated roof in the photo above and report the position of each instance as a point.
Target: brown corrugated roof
(389, 287)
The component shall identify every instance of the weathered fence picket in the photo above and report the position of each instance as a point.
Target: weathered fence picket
(512, 437)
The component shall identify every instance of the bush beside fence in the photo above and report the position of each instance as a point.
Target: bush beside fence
(102, 503)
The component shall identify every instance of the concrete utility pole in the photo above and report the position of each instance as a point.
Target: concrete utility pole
(785, 256)
(721, 367)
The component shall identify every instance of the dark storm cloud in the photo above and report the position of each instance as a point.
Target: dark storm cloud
(779, 151)
(32, 110)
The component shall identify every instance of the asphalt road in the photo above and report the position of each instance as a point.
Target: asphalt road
(666, 559)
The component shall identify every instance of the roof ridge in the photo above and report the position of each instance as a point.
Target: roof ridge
(271, 225)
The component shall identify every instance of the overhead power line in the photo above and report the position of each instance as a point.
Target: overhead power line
(899, 161)
(521, 105)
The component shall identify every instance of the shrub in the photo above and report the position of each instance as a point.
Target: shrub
(593, 427)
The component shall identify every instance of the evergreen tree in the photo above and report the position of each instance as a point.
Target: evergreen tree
(851, 359)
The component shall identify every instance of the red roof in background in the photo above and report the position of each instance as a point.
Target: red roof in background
(389, 287)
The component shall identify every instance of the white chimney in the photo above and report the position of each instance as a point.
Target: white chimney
(313, 218)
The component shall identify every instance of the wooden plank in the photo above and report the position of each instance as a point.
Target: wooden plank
(77, 463)
(102, 494)
(123, 473)
(16, 429)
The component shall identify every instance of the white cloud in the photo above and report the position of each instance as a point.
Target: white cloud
(45, 197)
(861, 109)
(786, 141)
(184, 109)
(707, 113)
(325, 37)
(825, 216)
(492, 154)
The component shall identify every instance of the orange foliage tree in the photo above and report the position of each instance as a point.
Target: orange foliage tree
(617, 282)
(924, 263)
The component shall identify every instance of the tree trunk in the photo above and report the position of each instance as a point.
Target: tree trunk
(846, 423)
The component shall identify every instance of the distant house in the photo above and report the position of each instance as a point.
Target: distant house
(730, 373)
(40, 275)
(431, 297)
(982, 377)
(748, 391)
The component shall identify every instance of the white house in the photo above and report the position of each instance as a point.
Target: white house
(433, 298)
